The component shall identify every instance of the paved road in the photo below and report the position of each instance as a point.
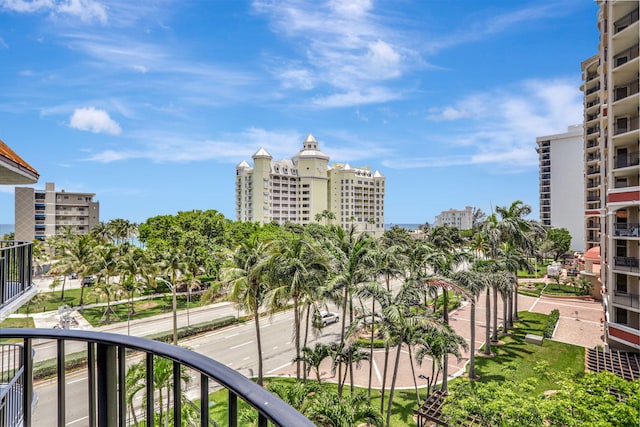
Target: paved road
(234, 346)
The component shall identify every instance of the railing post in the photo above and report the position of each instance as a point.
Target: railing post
(150, 396)
(91, 382)
(61, 384)
(122, 386)
(107, 386)
(233, 409)
(27, 395)
(204, 400)
(177, 394)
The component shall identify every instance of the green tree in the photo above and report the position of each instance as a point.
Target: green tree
(558, 242)
(245, 276)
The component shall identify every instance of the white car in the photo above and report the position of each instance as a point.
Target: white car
(327, 317)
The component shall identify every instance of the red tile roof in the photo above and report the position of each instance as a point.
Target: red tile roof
(9, 154)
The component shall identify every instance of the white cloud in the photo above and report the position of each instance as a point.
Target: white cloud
(499, 127)
(87, 10)
(347, 99)
(96, 121)
(344, 45)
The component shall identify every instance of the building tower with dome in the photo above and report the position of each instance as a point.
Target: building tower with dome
(305, 188)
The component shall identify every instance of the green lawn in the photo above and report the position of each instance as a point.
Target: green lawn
(520, 358)
(143, 308)
(15, 322)
(556, 289)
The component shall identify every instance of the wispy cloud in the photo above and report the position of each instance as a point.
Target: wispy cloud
(503, 125)
(88, 11)
(344, 44)
(93, 120)
(234, 147)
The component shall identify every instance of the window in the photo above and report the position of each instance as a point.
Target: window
(621, 283)
(621, 316)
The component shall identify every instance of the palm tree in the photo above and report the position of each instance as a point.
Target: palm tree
(245, 277)
(351, 253)
(293, 263)
(332, 410)
(474, 283)
(313, 357)
(80, 254)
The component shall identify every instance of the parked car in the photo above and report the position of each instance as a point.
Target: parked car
(572, 272)
(73, 276)
(325, 318)
(88, 281)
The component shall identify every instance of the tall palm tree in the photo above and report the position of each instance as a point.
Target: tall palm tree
(245, 276)
(474, 283)
(81, 253)
(293, 263)
(351, 253)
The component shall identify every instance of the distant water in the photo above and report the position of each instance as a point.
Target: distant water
(6, 229)
(407, 226)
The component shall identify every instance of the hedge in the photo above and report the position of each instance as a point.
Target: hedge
(550, 326)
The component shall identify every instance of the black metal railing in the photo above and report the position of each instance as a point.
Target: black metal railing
(625, 56)
(633, 123)
(630, 159)
(106, 369)
(15, 269)
(627, 229)
(626, 263)
(12, 382)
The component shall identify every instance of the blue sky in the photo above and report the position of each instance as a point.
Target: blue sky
(152, 104)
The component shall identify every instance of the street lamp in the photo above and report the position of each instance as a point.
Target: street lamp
(175, 317)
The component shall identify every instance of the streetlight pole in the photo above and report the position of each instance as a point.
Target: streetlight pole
(175, 316)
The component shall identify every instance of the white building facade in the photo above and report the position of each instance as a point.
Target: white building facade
(301, 189)
(562, 182)
(461, 219)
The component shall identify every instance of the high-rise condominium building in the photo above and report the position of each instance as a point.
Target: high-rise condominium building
(306, 188)
(41, 214)
(461, 219)
(612, 176)
(562, 182)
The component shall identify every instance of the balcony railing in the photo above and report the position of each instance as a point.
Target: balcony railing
(626, 299)
(12, 382)
(591, 171)
(622, 92)
(627, 229)
(632, 124)
(106, 372)
(626, 263)
(592, 130)
(593, 89)
(15, 269)
(592, 103)
(625, 56)
(631, 159)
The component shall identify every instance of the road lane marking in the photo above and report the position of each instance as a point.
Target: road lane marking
(230, 336)
(246, 358)
(77, 421)
(240, 345)
(77, 381)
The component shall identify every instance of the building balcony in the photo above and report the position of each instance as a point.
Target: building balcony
(592, 224)
(593, 103)
(624, 334)
(106, 370)
(625, 263)
(626, 125)
(593, 89)
(631, 159)
(626, 21)
(626, 299)
(593, 130)
(593, 198)
(622, 92)
(627, 229)
(15, 270)
(592, 144)
(591, 171)
(625, 56)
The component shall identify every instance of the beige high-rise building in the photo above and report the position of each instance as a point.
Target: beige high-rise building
(41, 214)
(460, 219)
(304, 188)
(612, 176)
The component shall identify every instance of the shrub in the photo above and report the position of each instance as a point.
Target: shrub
(550, 326)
